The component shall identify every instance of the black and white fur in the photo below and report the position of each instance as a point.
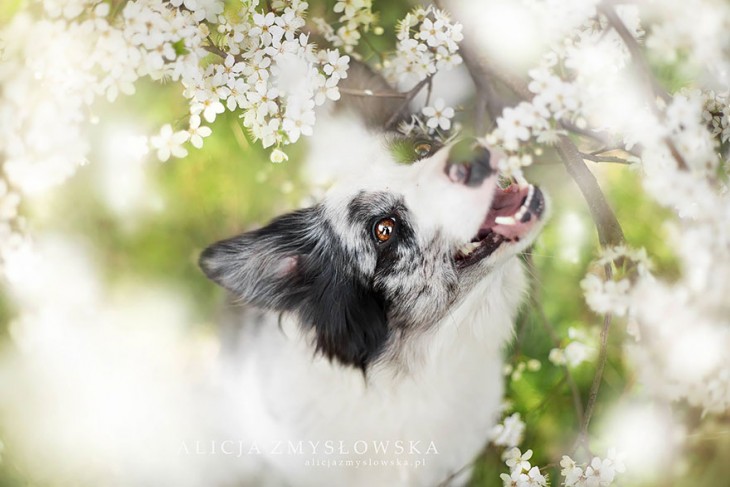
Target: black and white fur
(346, 338)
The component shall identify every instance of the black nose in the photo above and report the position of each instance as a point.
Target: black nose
(469, 163)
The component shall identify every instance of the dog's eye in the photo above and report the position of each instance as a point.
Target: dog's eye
(384, 229)
(423, 149)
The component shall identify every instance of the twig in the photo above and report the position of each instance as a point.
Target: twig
(407, 99)
(598, 377)
(373, 94)
(551, 393)
(598, 136)
(596, 158)
(212, 48)
(429, 91)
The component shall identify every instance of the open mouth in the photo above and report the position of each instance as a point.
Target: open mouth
(514, 212)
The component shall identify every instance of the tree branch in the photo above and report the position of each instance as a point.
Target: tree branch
(407, 99)
(608, 227)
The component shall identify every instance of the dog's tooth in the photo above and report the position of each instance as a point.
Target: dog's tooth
(505, 220)
(530, 194)
(468, 248)
(526, 205)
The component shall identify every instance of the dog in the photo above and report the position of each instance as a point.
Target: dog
(368, 327)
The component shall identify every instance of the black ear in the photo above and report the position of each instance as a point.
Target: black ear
(375, 111)
(297, 264)
(264, 267)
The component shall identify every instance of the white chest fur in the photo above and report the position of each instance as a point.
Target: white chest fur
(411, 422)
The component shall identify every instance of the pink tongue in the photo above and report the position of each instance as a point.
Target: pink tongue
(506, 203)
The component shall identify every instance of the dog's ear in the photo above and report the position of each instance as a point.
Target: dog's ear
(264, 267)
(296, 264)
(375, 111)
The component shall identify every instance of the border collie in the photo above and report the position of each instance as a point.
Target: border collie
(368, 346)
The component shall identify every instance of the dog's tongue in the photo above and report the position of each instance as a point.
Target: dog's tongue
(502, 216)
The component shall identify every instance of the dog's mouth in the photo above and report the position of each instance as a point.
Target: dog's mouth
(514, 212)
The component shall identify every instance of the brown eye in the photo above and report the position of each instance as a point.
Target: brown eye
(384, 229)
(423, 149)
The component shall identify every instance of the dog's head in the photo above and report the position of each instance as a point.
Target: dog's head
(387, 252)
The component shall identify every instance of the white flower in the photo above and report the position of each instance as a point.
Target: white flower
(577, 353)
(263, 102)
(336, 65)
(439, 115)
(606, 296)
(432, 32)
(268, 133)
(169, 143)
(262, 27)
(515, 123)
(557, 356)
(197, 132)
(600, 472)
(516, 460)
(207, 103)
(278, 156)
(535, 478)
(349, 7)
(511, 480)
(290, 23)
(9, 201)
(326, 90)
(235, 94)
(298, 122)
(572, 473)
(618, 460)
(510, 432)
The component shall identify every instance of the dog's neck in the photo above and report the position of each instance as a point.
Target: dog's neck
(477, 326)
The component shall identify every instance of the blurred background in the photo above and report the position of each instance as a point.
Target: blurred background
(123, 236)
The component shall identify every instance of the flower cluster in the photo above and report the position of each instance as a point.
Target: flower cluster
(356, 17)
(580, 348)
(260, 63)
(611, 293)
(522, 474)
(271, 72)
(427, 43)
(509, 433)
(11, 224)
(516, 371)
(716, 114)
(568, 89)
(599, 472)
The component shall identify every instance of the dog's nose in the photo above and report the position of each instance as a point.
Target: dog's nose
(469, 163)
